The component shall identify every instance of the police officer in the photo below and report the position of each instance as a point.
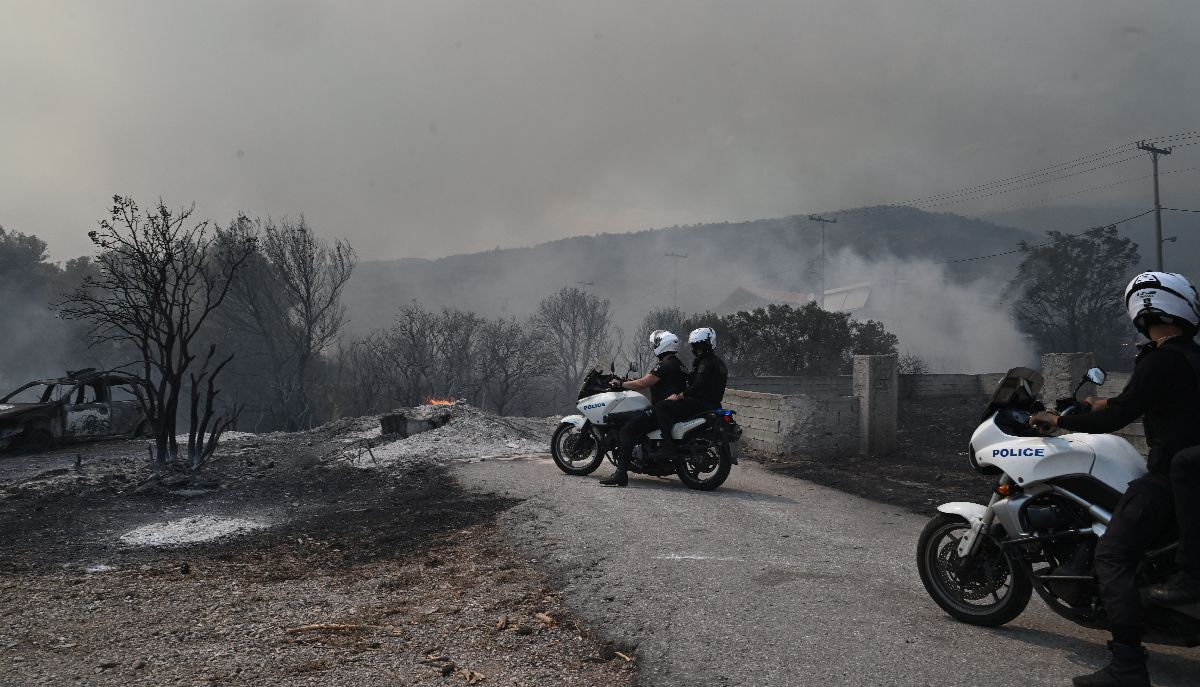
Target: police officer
(1165, 391)
(706, 386)
(668, 377)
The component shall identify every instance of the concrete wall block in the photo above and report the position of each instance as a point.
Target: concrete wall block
(1062, 371)
(876, 386)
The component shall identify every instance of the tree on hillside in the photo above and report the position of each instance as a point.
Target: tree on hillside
(576, 324)
(288, 296)
(158, 281)
(1067, 294)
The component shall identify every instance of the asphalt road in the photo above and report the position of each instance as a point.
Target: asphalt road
(773, 581)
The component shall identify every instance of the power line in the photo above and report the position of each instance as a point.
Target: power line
(928, 201)
(1032, 175)
(1086, 190)
(1027, 186)
(1044, 243)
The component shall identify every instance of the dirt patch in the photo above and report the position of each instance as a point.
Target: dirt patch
(929, 467)
(356, 578)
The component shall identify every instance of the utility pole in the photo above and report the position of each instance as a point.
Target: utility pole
(1154, 153)
(675, 258)
(821, 272)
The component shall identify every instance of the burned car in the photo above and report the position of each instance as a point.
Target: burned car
(86, 405)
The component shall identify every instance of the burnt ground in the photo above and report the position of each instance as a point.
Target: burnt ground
(929, 467)
(366, 578)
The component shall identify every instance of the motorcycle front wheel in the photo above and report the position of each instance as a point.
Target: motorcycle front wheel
(575, 452)
(704, 468)
(989, 589)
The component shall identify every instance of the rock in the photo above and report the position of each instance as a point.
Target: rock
(185, 568)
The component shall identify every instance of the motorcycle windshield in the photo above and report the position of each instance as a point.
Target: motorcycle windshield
(1019, 389)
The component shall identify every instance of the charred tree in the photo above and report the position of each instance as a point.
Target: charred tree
(288, 300)
(158, 280)
(575, 323)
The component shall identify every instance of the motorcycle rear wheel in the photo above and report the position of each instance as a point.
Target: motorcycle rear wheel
(694, 476)
(964, 593)
(569, 449)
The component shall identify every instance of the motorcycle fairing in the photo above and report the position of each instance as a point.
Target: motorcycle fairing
(1031, 459)
(1110, 459)
(597, 407)
(1117, 462)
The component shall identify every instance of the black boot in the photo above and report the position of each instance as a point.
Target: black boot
(1180, 590)
(620, 478)
(1127, 669)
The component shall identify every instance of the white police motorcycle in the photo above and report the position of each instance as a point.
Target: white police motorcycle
(1053, 499)
(703, 455)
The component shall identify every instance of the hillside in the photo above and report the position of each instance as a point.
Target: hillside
(631, 271)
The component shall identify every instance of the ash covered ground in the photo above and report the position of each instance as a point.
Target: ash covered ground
(334, 556)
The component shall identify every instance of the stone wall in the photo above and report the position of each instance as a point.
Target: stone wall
(931, 386)
(781, 425)
(782, 415)
(912, 387)
(833, 385)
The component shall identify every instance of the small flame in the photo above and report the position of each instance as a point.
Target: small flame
(440, 401)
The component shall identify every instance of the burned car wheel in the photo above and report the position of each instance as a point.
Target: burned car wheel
(38, 439)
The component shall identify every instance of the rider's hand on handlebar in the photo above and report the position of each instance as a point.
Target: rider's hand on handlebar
(616, 383)
(1045, 422)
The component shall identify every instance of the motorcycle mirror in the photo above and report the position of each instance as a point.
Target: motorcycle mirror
(1096, 376)
(633, 367)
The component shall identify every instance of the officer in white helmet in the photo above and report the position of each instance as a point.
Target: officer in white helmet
(705, 389)
(667, 377)
(1165, 391)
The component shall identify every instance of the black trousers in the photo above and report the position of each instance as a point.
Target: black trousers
(630, 433)
(670, 412)
(1144, 519)
(1185, 483)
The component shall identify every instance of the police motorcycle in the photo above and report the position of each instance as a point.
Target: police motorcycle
(1054, 497)
(703, 452)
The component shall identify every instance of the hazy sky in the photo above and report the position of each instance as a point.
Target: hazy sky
(433, 127)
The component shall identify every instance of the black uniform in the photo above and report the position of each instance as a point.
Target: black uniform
(672, 379)
(1165, 391)
(706, 388)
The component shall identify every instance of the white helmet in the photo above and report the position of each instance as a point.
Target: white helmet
(664, 341)
(1163, 298)
(703, 335)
